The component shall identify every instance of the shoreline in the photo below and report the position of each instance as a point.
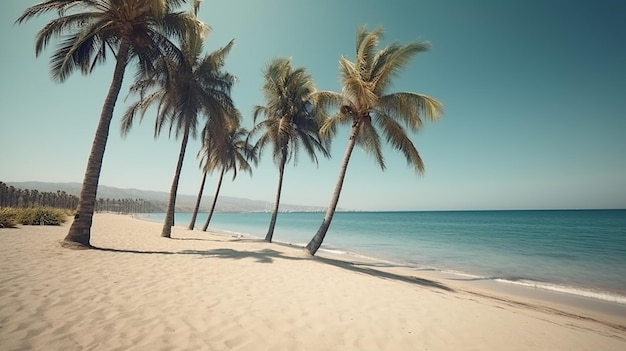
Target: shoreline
(208, 290)
(535, 287)
(612, 313)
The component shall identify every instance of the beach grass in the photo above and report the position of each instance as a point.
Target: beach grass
(10, 217)
(7, 217)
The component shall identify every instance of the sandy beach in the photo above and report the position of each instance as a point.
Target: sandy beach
(212, 291)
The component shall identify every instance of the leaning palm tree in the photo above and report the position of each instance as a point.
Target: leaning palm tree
(184, 92)
(214, 137)
(88, 29)
(292, 120)
(370, 109)
(235, 154)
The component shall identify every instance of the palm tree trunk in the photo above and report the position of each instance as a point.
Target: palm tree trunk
(317, 240)
(281, 173)
(192, 224)
(217, 193)
(171, 204)
(80, 230)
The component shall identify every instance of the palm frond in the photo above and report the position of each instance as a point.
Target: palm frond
(366, 45)
(81, 49)
(326, 100)
(409, 108)
(179, 24)
(100, 55)
(391, 60)
(328, 129)
(137, 108)
(60, 6)
(396, 136)
(369, 140)
(355, 90)
(57, 27)
(218, 57)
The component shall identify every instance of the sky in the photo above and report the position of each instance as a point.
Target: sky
(533, 92)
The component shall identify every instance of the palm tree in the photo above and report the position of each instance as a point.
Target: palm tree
(12, 196)
(213, 137)
(371, 110)
(185, 91)
(292, 120)
(4, 194)
(234, 155)
(130, 29)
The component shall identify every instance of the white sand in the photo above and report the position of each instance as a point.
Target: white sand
(213, 292)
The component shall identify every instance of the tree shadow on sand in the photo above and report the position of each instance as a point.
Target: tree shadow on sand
(131, 251)
(224, 239)
(269, 256)
(365, 268)
(260, 256)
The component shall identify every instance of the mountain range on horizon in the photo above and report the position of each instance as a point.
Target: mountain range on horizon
(184, 202)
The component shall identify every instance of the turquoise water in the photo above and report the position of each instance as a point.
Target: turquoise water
(576, 251)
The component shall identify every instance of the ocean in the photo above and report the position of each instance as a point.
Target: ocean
(580, 252)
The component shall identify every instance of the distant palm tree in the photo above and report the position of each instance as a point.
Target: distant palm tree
(213, 137)
(4, 194)
(234, 155)
(130, 29)
(292, 120)
(184, 92)
(370, 109)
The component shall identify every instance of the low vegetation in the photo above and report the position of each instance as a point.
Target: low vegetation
(10, 217)
(7, 218)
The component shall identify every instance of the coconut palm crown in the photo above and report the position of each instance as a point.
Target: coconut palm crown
(90, 31)
(372, 111)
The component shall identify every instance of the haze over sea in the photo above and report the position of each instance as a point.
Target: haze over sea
(580, 252)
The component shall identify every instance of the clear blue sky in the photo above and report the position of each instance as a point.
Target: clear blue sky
(533, 90)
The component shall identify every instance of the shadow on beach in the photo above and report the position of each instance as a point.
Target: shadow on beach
(269, 255)
(361, 268)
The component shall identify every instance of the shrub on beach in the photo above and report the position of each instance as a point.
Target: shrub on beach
(9, 217)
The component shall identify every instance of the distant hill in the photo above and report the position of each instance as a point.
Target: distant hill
(184, 203)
